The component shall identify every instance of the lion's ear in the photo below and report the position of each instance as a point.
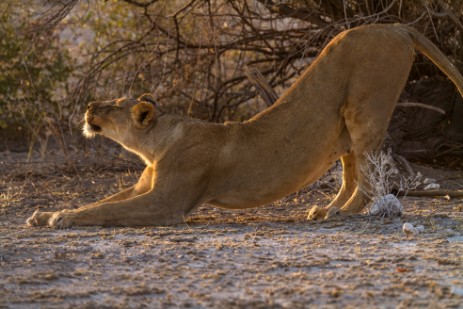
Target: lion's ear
(143, 114)
(147, 97)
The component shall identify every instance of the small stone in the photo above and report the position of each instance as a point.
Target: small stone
(432, 186)
(456, 290)
(388, 206)
(411, 230)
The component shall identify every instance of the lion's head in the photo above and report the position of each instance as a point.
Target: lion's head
(119, 119)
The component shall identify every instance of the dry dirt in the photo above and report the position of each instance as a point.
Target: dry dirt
(268, 257)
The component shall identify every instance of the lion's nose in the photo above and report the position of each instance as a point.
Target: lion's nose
(90, 105)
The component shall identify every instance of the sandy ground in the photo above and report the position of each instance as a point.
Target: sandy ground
(268, 257)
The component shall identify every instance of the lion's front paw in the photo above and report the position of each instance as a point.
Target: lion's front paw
(61, 219)
(318, 213)
(39, 218)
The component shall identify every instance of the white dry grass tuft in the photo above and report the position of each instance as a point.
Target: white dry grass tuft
(383, 176)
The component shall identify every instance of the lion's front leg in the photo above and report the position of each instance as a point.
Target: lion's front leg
(142, 210)
(143, 185)
(41, 218)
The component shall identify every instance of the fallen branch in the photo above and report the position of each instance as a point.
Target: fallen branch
(432, 193)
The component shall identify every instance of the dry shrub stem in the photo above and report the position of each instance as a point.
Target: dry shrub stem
(238, 27)
(383, 175)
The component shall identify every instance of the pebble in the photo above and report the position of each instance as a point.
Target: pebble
(411, 230)
(387, 205)
(432, 186)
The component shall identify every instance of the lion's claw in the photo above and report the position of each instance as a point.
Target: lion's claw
(60, 219)
(39, 218)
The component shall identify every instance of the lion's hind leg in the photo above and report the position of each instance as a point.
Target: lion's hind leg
(349, 184)
(367, 133)
(373, 92)
(366, 121)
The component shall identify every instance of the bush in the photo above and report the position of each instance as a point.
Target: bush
(35, 71)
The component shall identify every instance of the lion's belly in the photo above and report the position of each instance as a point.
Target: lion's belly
(242, 200)
(264, 190)
(250, 183)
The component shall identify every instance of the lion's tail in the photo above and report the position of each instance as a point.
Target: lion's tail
(426, 47)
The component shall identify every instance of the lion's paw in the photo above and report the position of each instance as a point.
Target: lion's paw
(39, 218)
(318, 213)
(61, 219)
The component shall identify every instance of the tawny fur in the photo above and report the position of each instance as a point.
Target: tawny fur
(338, 109)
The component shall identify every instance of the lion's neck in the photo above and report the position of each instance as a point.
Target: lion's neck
(153, 144)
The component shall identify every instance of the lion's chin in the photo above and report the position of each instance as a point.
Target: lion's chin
(90, 130)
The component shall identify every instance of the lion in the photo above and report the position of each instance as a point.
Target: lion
(339, 108)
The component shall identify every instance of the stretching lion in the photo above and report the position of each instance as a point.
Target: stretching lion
(338, 109)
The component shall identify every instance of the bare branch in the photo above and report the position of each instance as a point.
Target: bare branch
(141, 4)
(282, 9)
(258, 81)
(421, 105)
(49, 20)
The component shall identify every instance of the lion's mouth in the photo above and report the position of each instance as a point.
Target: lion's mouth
(95, 128)
(91, 129)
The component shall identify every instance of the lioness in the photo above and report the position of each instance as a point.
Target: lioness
(339, 108)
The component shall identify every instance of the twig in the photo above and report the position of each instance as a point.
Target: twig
(141, 4)
(287, 11)
(451, 15)
(404, 163)
(421, 105)
(258, 81)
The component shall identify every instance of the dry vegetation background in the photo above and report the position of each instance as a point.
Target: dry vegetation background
(195, 57)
